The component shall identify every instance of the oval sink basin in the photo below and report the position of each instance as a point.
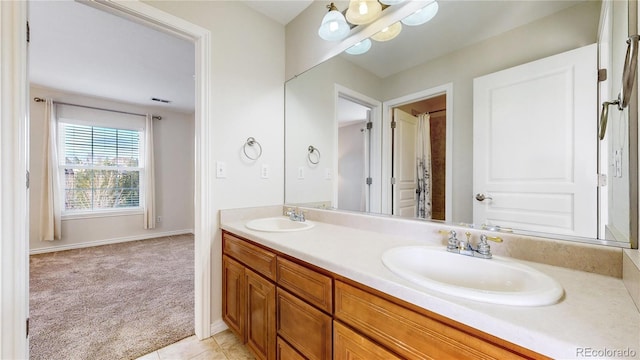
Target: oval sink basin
(278, 224)
(497, 280)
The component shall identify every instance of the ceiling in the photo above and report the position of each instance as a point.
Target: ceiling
(79, 49)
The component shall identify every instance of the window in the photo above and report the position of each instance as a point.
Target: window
(100, 167)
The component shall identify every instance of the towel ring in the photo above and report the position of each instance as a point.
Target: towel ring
(251, 141)
(311, 151)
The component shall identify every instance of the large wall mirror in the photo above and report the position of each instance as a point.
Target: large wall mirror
(361, 129)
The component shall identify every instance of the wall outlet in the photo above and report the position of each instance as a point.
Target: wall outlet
(264, 171)
(327, 173)
(301, 173)
(159, 219)
(221, 170)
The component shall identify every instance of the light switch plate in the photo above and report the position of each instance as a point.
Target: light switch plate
(221, 170)
(264, 171)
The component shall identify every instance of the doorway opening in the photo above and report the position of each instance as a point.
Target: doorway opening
(405, 165)
(404, 191)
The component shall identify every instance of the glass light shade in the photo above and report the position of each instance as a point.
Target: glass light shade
(391, 2)
(421, 16)
(334, 27)
(388, 33)
(359, 48)
(362, 12)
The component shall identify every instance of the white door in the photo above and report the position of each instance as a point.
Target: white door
(534, 145)
(404, 164)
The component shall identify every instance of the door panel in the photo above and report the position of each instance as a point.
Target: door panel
(404, 164)
(535, 145)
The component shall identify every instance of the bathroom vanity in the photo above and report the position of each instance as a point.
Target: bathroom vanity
(324, 293)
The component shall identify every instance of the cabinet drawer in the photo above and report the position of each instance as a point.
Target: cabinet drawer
(349, 345)
(258, 259)
(306, 283)
(286, 352)
(407, 333)
(306, 328)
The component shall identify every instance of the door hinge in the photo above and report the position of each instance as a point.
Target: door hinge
(393, 181)
(369, 181)
(602, 75)
(27, 327)
(602, 180)
(28, 33)
(28, 179)
(393, 124)
(369, 125)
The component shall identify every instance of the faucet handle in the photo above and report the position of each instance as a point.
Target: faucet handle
(452, 242)
(497, 239)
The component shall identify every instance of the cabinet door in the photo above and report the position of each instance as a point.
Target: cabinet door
(233, 296)
(306, 328)
(349, 345)
(261, 322)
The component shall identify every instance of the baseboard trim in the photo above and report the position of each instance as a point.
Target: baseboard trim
(109, 241)
(218, 326)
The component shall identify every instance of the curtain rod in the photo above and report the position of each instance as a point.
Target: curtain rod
(155, 117)
(436, 112)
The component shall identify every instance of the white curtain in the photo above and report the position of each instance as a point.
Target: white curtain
(149, 178)
(423, 162)
(51, 210)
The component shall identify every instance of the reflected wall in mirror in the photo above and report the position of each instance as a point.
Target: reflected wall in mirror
(439, 61)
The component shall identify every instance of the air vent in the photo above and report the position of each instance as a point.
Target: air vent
(161, 100)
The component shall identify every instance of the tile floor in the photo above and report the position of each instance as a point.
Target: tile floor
(222, 346)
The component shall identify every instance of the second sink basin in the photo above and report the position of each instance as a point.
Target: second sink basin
(278, 224)
(498, 280)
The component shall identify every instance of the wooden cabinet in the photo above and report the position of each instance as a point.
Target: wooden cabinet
(417, 335)
(261, 308)
(306, 328)
(313, 287)
(283, 308)
(248, 297)
(349, 345)
(233, 296)
(285, 351)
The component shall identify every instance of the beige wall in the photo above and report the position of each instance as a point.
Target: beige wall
(173, 140)
(247, 101)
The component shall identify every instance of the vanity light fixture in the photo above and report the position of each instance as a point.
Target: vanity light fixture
(388, 33)
(334, 27)
(362, 12)
(423, 15)
(359, 48)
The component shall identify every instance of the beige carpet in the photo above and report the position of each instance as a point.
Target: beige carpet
(116, 301)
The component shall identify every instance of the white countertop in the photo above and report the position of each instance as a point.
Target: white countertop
(596, 313)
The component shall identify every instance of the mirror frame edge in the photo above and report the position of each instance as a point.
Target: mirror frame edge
(633, 138)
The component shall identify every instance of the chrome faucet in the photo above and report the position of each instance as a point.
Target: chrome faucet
(464, 247)
(295, 214)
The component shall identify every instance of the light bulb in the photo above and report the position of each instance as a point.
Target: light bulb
(359, 48)
(388, 33)
(423, 15)
(363, 9)
(334, 27)
(362, 12)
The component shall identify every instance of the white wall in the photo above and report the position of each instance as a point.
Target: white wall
(248, 96)
(174, 159)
